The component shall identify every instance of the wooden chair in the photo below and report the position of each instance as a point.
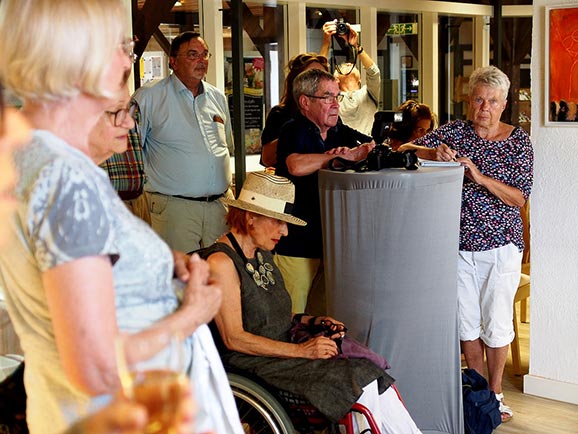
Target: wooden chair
(523, 292)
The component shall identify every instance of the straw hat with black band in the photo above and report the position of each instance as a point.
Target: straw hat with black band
(269, 195)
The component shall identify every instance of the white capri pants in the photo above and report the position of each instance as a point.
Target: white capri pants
(388, 411)
(487, 284)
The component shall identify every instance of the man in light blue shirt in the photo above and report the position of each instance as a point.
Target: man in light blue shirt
(187, 137)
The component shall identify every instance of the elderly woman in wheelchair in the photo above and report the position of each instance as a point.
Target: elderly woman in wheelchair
(255, 318)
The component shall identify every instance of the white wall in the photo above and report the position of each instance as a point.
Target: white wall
(554, 248)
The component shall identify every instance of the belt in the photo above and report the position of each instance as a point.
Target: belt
(211, 198)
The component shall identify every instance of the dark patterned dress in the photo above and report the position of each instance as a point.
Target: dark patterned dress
(332, 386)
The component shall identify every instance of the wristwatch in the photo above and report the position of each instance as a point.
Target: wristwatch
(359, 50)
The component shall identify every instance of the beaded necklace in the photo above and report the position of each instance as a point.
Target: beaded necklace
(263, 274)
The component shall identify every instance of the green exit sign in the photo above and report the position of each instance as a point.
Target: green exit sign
(402, 29)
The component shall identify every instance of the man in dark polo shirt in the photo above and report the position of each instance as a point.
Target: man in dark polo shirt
(307, 144)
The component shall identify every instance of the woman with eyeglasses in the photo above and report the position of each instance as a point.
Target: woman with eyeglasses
(287, 108)
(81, 269)
(498, 162)
(110, 134)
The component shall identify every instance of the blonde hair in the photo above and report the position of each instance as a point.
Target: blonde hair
(57, 49)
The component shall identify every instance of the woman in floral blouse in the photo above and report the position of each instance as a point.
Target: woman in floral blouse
(498, 163)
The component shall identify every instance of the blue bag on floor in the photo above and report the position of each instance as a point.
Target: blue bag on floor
(481, 408)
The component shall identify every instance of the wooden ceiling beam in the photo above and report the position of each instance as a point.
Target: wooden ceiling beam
(147, 21)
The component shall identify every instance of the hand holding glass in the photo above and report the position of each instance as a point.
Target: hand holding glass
(151, 374)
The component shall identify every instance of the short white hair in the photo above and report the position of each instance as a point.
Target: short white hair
(55, 49)
(489, 76)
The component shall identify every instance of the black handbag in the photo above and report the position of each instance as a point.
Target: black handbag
(349, 348)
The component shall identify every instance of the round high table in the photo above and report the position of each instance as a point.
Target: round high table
(390, 249)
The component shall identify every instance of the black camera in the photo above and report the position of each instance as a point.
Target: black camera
(382, 122)
(382, 156)
(341, 28)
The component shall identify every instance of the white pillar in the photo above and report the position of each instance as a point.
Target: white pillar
(368, 21)
(481, 41)
(297, 30)
(211, 24)
(128, 7)
(429, 79)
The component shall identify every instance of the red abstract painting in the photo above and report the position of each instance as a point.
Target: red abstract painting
(563, 64)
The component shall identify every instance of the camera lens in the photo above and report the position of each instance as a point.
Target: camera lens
(341, 28)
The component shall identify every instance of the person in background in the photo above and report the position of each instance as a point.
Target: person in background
(185, 129)
(81, 267)
(126, 170)
(255, 320)
(360, 102)
(306, 144)
(498, 162)
(287, 108)
(418, 120)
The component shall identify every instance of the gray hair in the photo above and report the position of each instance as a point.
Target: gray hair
(489, 76)
(307, 83)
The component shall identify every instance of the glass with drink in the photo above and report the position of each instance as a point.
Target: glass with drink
(151, 374)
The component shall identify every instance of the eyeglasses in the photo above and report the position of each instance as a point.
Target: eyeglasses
(119, 116)
(328, 99)
(193, 55)
(128, 48)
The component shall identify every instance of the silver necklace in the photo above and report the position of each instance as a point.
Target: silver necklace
(262, 273)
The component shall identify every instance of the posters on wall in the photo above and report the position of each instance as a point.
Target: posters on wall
(253, 101)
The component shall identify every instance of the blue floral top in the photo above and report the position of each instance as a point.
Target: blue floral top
(487, 222)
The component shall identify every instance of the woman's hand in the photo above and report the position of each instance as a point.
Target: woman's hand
(471, 171)
(318, 348)
(351, 37)
(332, 324)
(181, 261)
(126, 417)
(329, 28)
(444, 153)
(201, 294)
(511, 196)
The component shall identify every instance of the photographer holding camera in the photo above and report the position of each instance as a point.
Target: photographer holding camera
(359, 102)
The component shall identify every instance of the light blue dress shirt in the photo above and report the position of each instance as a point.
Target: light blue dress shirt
(186, 139)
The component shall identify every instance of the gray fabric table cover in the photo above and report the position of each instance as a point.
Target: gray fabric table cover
(390, 250)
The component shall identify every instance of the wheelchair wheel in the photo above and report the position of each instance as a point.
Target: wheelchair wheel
(260, 412)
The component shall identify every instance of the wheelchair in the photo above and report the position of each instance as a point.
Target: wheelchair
(265, 410)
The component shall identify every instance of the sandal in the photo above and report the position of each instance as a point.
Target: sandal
(507, 413)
